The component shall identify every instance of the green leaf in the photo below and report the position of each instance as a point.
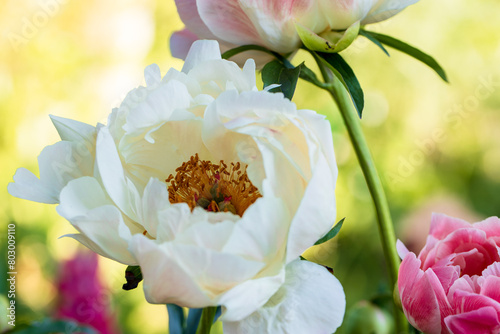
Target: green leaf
(374, 40)
(48, 326)
(271, 74)
(332, 233)
(133, 276)
(288, 79)
(276, 72)
(308, 75)
(346, 75)
(409, 50)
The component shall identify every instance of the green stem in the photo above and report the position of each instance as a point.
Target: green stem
(206, 321)
(385, 226)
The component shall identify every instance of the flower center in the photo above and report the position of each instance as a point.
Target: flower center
(216, 188)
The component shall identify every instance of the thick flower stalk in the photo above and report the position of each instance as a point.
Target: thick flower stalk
(275, 24)
(453, 286)
(213, 188)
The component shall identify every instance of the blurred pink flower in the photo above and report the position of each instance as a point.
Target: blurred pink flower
(454, 284)
(81, 295)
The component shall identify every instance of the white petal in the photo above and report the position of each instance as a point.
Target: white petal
(316, 213)
(261, 233)
(72, 130)
(154, 200)
(200, 52)
(173, 143)
(86, 206)
(157, 107)
(27, 186)
(310, 301)
(215, 271)
(171, 220)
(111, 170)
(321, 128)
(341, 14)
(386, 9)
(58, 163)
(152, 75)
(241, 301)
(164, 280)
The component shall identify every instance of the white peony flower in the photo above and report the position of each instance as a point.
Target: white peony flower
(212, 187)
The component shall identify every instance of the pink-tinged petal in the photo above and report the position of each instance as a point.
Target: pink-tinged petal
(447, 275)
(440, 294)
(491, 288)
(464, 283)
(482, 321)
(417, 291)
(310, 301)
(493, 269)
(491, 226)
(180, 43)
(473, 252)
(428, 248)
(442, 225)
(188, 11)
(275, 20)
(401, 248)
(465, 301)
(227, 20)
(409, 273)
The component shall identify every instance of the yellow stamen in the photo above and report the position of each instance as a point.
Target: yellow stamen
(214, 187)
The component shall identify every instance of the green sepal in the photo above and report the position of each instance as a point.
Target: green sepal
(408, 49)
(47, 326)
(275, 72)
(330, 41)
(346, 75)
(133, 276)
(331, 234)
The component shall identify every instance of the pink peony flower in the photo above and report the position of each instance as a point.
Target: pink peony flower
(273, 23)
(454, 284)
(81, 295)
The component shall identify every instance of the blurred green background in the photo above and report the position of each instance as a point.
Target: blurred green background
(436, 145)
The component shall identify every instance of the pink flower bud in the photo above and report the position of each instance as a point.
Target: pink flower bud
(273, 23)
